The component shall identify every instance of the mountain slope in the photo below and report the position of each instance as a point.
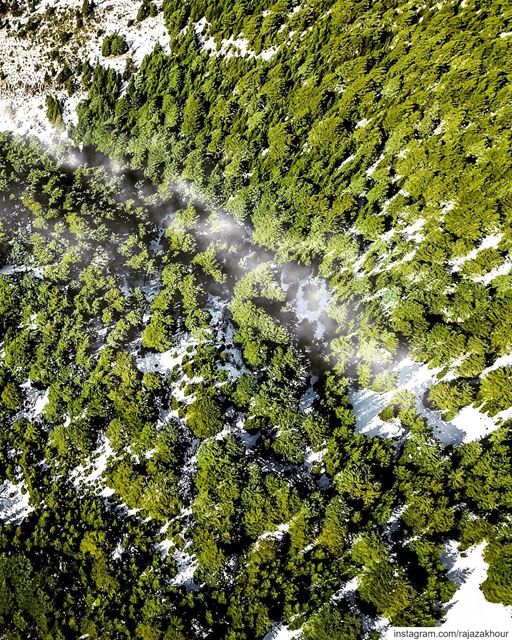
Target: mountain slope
(303, 242)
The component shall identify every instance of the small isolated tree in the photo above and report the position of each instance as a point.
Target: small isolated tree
(54, 111)
(87, 7)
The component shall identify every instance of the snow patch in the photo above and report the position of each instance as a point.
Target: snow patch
(165, 362)
(412, 231)
(468, 425)
(503, 270)
(489, 242)
(468, 609)
(14, 502)
(346, 161)
(276, 534)
(11, 269)
(186, 565)
(371, 170)
(91, 472)
(363, 123)
(312, 299)
(282, 632)
(230, 47)
(40, 403)
(475, 425)
(502, 361)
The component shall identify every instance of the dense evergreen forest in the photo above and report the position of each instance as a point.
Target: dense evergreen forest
(237, 256)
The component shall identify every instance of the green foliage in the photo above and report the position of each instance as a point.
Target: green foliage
(114, 45)
(497, 586)
(355, 144)
(146, 9)
(54, 110)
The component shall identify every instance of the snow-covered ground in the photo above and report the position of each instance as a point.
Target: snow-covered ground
(35, 400)
(312, 300)
(165, 362)
(468, 609)
(229, 47)
(276, 534)
(468, 425)
(28, 72)
(14, 502)
(489, 242)
(91, 473)
(186, 565)
(282, 632)
(502, 361)
(24, 88)
(12, 269)
(503, 270)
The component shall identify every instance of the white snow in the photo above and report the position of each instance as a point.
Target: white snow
(468, 425)
(413, 377)
(248, 439)
(11, 269)
(468, 609)
(14, 502)
(314, 457)
(346, 161)
(223, 332)
(447, 206)
(142, 37)
(186, 565)
(309, 396)
(503, 270)
(367, 405)
(282, 632)
(346, 591)
(276, 534)
(411, 232)
(371, 170)
(56, 4)
(29, 72)
(164, 546)
(489, 242)
(439, 129)
(35, 400)
(476, 425)
(26, 116)
(266, 54)
(502, 361)
(230, 47)
(23, 88)
(165, 362)
(41, 402)
(363, 123)
(93, 470)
